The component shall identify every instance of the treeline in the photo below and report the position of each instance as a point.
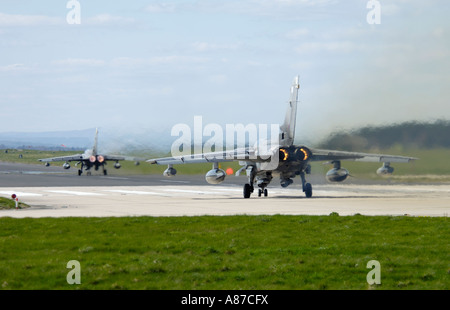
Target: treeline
(406, 135)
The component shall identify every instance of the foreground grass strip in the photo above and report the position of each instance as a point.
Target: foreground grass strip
(232, 252)
(6, 203)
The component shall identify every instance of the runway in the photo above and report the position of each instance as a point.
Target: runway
(67, 195)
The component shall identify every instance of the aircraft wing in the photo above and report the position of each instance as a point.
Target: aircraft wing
(79, 157)
(330, 155)
(114, 157)
(76, 157)
(249, 154)
(240, 154)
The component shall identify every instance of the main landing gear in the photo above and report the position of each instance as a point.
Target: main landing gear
(249, 189)
(262, 182)
(88, 170)
(307, 187)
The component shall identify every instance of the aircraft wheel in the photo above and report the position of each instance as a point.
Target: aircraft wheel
(308, 190)
(105, 172)
(259, 192)
(80, 172)
(265, 192)
(247, 190)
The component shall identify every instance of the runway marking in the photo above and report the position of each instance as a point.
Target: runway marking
(20, 194)
(76, 193)
(135, 192)
(190, 191)
(229, 189)
(172, 181)
(115, 178)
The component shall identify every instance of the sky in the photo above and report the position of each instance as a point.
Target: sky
(138, 68)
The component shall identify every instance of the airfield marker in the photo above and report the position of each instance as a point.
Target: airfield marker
(14, 197)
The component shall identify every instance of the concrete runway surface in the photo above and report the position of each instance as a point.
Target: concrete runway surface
(63, 195)
(179, 200)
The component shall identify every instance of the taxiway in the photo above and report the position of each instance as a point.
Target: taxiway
(57, 194)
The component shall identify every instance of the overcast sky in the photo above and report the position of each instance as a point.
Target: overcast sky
(144, 66)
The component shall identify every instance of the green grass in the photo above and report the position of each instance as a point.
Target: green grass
(6, 204)
(31, 156)
(230, 252)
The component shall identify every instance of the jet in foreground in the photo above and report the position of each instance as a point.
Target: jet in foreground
(291, 160)
(89, 159)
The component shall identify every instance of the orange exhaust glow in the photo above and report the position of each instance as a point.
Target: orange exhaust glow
(305, 153)
(285, 154)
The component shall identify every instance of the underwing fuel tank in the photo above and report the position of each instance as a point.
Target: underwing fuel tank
(337, 175)
(386, 169)
(215, 176)
(169, 172)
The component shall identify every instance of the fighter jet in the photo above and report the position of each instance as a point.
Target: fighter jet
(90, 159)
(285, 159)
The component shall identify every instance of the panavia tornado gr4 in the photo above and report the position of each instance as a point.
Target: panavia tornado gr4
(283, 159)
(91, 158)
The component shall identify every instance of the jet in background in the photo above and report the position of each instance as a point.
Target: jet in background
(91, 158)
(293, 159)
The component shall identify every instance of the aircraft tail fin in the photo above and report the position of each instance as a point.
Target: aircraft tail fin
(287, 129)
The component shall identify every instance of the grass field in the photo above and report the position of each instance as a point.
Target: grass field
(235, 252)
(6, 204)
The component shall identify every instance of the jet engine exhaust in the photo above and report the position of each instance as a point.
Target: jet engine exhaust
(293, 153)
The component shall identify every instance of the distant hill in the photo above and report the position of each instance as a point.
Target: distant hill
(407, 135)
(64, 140)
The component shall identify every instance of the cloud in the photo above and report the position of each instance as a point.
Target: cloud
(156, 60)
(79, 62)
(13, 68)
(206, 47)
(11, 20)
(333, 46)
(279, 9)
(108, 19)
(389, 9)
(297, 33)
(160, 7)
